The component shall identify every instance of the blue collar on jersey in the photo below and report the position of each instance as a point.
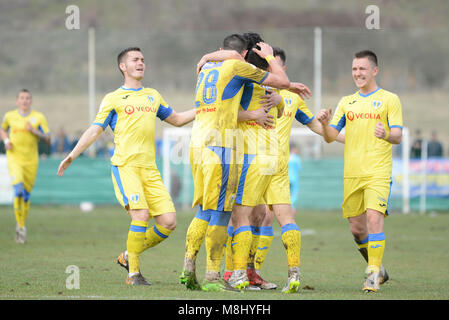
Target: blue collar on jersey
(132, 89)
(368, 94)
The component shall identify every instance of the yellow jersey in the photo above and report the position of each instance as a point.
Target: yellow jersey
(218, 93)
(294, 108)
(131, 114)
(257, 139)
(24, 143)
(365, 155)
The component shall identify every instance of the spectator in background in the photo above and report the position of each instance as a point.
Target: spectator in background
(415, 152)
(61, 144)
(434, 147)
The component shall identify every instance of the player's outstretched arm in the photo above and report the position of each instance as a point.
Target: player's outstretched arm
(329, 133)
(219, 55)
(88, 137)
(179, 119)
(277, 77)
(316, 127)
(393, 137)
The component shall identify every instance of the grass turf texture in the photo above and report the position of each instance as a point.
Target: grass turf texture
(331, 267)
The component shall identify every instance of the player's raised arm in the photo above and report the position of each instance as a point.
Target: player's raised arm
(178, 119)
(277, 77)
(89, 136)
(324, 117)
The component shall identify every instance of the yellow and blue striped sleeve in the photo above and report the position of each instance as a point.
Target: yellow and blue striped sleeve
(395, 113)
(339, 120)
(106, 113)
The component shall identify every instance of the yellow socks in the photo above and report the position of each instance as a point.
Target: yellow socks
(263, 246)
(195, 237)
(216, 237)
(135, 244)
(155, 235)
(228, 262)
(240, 245)
(291, 239)
(253, 248)
(376, 247)
(19, 206)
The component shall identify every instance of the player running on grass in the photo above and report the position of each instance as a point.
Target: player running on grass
(20, 131)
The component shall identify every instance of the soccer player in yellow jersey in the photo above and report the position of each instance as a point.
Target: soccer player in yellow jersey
(213, 153)
(278, 192)
(373, 120)
(21, 130)
(131, 112)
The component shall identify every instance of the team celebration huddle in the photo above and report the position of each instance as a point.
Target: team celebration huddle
(243, 111)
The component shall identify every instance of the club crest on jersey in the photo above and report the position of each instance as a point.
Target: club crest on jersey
(33, 120)
(376, 104)
(134, 197)
(288, 101)
(150, 98)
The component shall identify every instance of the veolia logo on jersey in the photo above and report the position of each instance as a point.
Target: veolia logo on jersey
(362, 115)
(131, 109)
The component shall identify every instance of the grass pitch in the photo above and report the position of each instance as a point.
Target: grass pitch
(416, 258)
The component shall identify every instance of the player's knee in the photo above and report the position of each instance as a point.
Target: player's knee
(167, 220)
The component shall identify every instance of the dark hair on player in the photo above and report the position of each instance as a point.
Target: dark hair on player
(24, 90)
(278, 52)
(235, 42)
(252, 39)
(256, 60)
(123, 54)
(367, 54)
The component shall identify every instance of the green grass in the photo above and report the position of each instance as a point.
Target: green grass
(416, 258)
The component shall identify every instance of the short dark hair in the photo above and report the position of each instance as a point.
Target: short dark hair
(235, 42)
(123, 53)
(24, 90)
(253, 58)
(367, 54)
(252, 39)
(278, 52)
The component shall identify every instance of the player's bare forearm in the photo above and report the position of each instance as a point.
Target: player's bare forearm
(260, 116)
(219, 55)
(316, 127)
(395, 136)
(277, 77)
(329, 133)
(88, 137)
(182, 118)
